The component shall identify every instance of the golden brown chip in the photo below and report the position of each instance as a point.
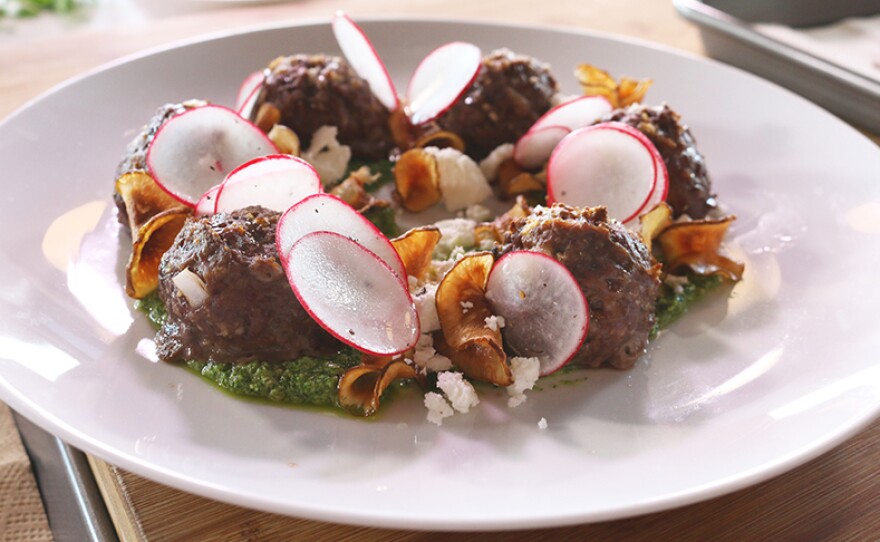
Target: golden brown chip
(482, 360)
(267, 116)
(462, 308)
(152, 240)
(521, 184)
(285, 139)
(361, 387)
(417, 179)
(598, 82)
(486, 234)
(415, 248)
(441, 139)
(143, 198)
(654, 222)
(697, 245)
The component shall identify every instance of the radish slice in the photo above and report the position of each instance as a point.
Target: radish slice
(661, 188)
(207, 204)
(545, 312)
(325, 212)
(536, 145)
(352, 293)
(610, 164)
(440, 79)
(247, 93)
(532, 150)
(364, 59)
(194, 150)
(276, 182)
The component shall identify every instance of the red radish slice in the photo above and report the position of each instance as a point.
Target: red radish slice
(352, 293)
(364, 59)
(440, 79)
(207, 204)
(610, 164)
(247, 93)
(536, 145)
(661, 188)
(276, 182)
(531, 151)
(325, 212)
(194, 150)
(545, 312)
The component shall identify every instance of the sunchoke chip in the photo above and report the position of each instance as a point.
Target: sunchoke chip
(416, 248)
(155, 218)
(598, 82)
(417, 179)
(462, 308)
(361, 387)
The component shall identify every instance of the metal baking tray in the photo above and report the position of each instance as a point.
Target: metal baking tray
(727, 33)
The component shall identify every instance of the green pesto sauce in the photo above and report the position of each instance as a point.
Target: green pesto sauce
(314, 381)
(672, 304)
(384, 168)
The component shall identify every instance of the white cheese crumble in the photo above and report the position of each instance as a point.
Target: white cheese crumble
(427, 359)
(328, 157)
(526, 372)
(458, 391)
(490, 164)
(494, 322)
(455, 233)
(426, 306)
(438, 408)
(460, 179)
(477, 213)
(542, 423)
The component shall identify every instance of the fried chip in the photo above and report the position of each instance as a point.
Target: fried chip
(597, 82)
(417, 179)
(361, 387)
(285, 139)
(154, 218)
(153, 239)
(697, 245)
(415, 249)
(654, 222)
(441, 139)
(267, 116)
(462, 308)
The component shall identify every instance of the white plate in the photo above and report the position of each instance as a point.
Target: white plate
(739, 391)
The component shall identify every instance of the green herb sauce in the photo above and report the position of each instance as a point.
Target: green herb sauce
(672, 303)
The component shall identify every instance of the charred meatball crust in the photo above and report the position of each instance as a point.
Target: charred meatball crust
(613, 268)
(509, 94)
(319, 90)
(690, 190)
(250, 312)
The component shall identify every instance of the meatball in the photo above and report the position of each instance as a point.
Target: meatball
(250, 311)
(509, 94)
(135, 157)
(690, 190)
(319, 90)
(612, 266)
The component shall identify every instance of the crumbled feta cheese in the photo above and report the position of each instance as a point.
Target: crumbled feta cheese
(542, 423)
(455, 233)
(494, 322)
(490, 164)
(477, 213)
(460, 179)
(438, 408)
(677, 283)
(426, 306)
(427, 359)
(526, 372)
(458, 391)
(327, 155)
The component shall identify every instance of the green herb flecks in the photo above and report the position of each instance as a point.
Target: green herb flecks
(674, 302)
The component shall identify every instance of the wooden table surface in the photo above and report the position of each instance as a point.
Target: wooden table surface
(834, 497)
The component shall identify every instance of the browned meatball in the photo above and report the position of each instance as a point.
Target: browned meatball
(135, 157)
(613, 268)
(509, 94)
(690, 190)
(250, 311)
(319, 90)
